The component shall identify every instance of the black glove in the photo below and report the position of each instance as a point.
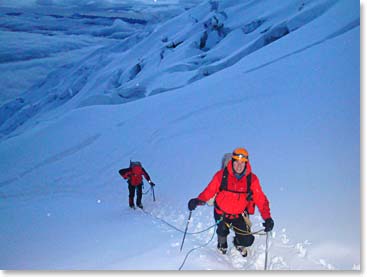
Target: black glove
(268, 224)
(151, 184)
(194, 202)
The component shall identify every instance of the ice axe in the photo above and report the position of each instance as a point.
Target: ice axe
(187, 226)
(266, 251)
(153, 194)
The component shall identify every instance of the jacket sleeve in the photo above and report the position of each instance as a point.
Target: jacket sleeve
(125, 173)
(146, 175)
(212, 188)
(260, 199)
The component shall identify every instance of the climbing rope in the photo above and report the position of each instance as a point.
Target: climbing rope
(230, 226)
(177, 229)
(190, 233)
(147, 190)
(193, 249)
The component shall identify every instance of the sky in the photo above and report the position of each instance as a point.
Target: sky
(64, 201)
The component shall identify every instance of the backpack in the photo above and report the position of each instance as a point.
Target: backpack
(226, 158)
(223, 185)
(134, 163)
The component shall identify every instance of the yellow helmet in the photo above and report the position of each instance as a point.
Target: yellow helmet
(240, 154)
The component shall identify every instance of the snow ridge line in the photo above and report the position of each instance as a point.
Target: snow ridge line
(352, 25)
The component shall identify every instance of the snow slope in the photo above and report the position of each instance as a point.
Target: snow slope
(293, 103)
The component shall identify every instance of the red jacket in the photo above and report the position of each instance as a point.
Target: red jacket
(233, 202)
(134, 175)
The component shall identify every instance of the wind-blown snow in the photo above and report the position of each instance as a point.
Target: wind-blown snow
(281, 79)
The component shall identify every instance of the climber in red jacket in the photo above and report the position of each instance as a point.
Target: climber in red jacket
(236, 190)
(134, 174)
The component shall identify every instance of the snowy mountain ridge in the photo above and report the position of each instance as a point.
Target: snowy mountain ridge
(211, 37)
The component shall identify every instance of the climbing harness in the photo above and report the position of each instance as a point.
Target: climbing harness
(243, 232)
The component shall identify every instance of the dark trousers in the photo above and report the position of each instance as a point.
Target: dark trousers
(139, 194)
(240, 224)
